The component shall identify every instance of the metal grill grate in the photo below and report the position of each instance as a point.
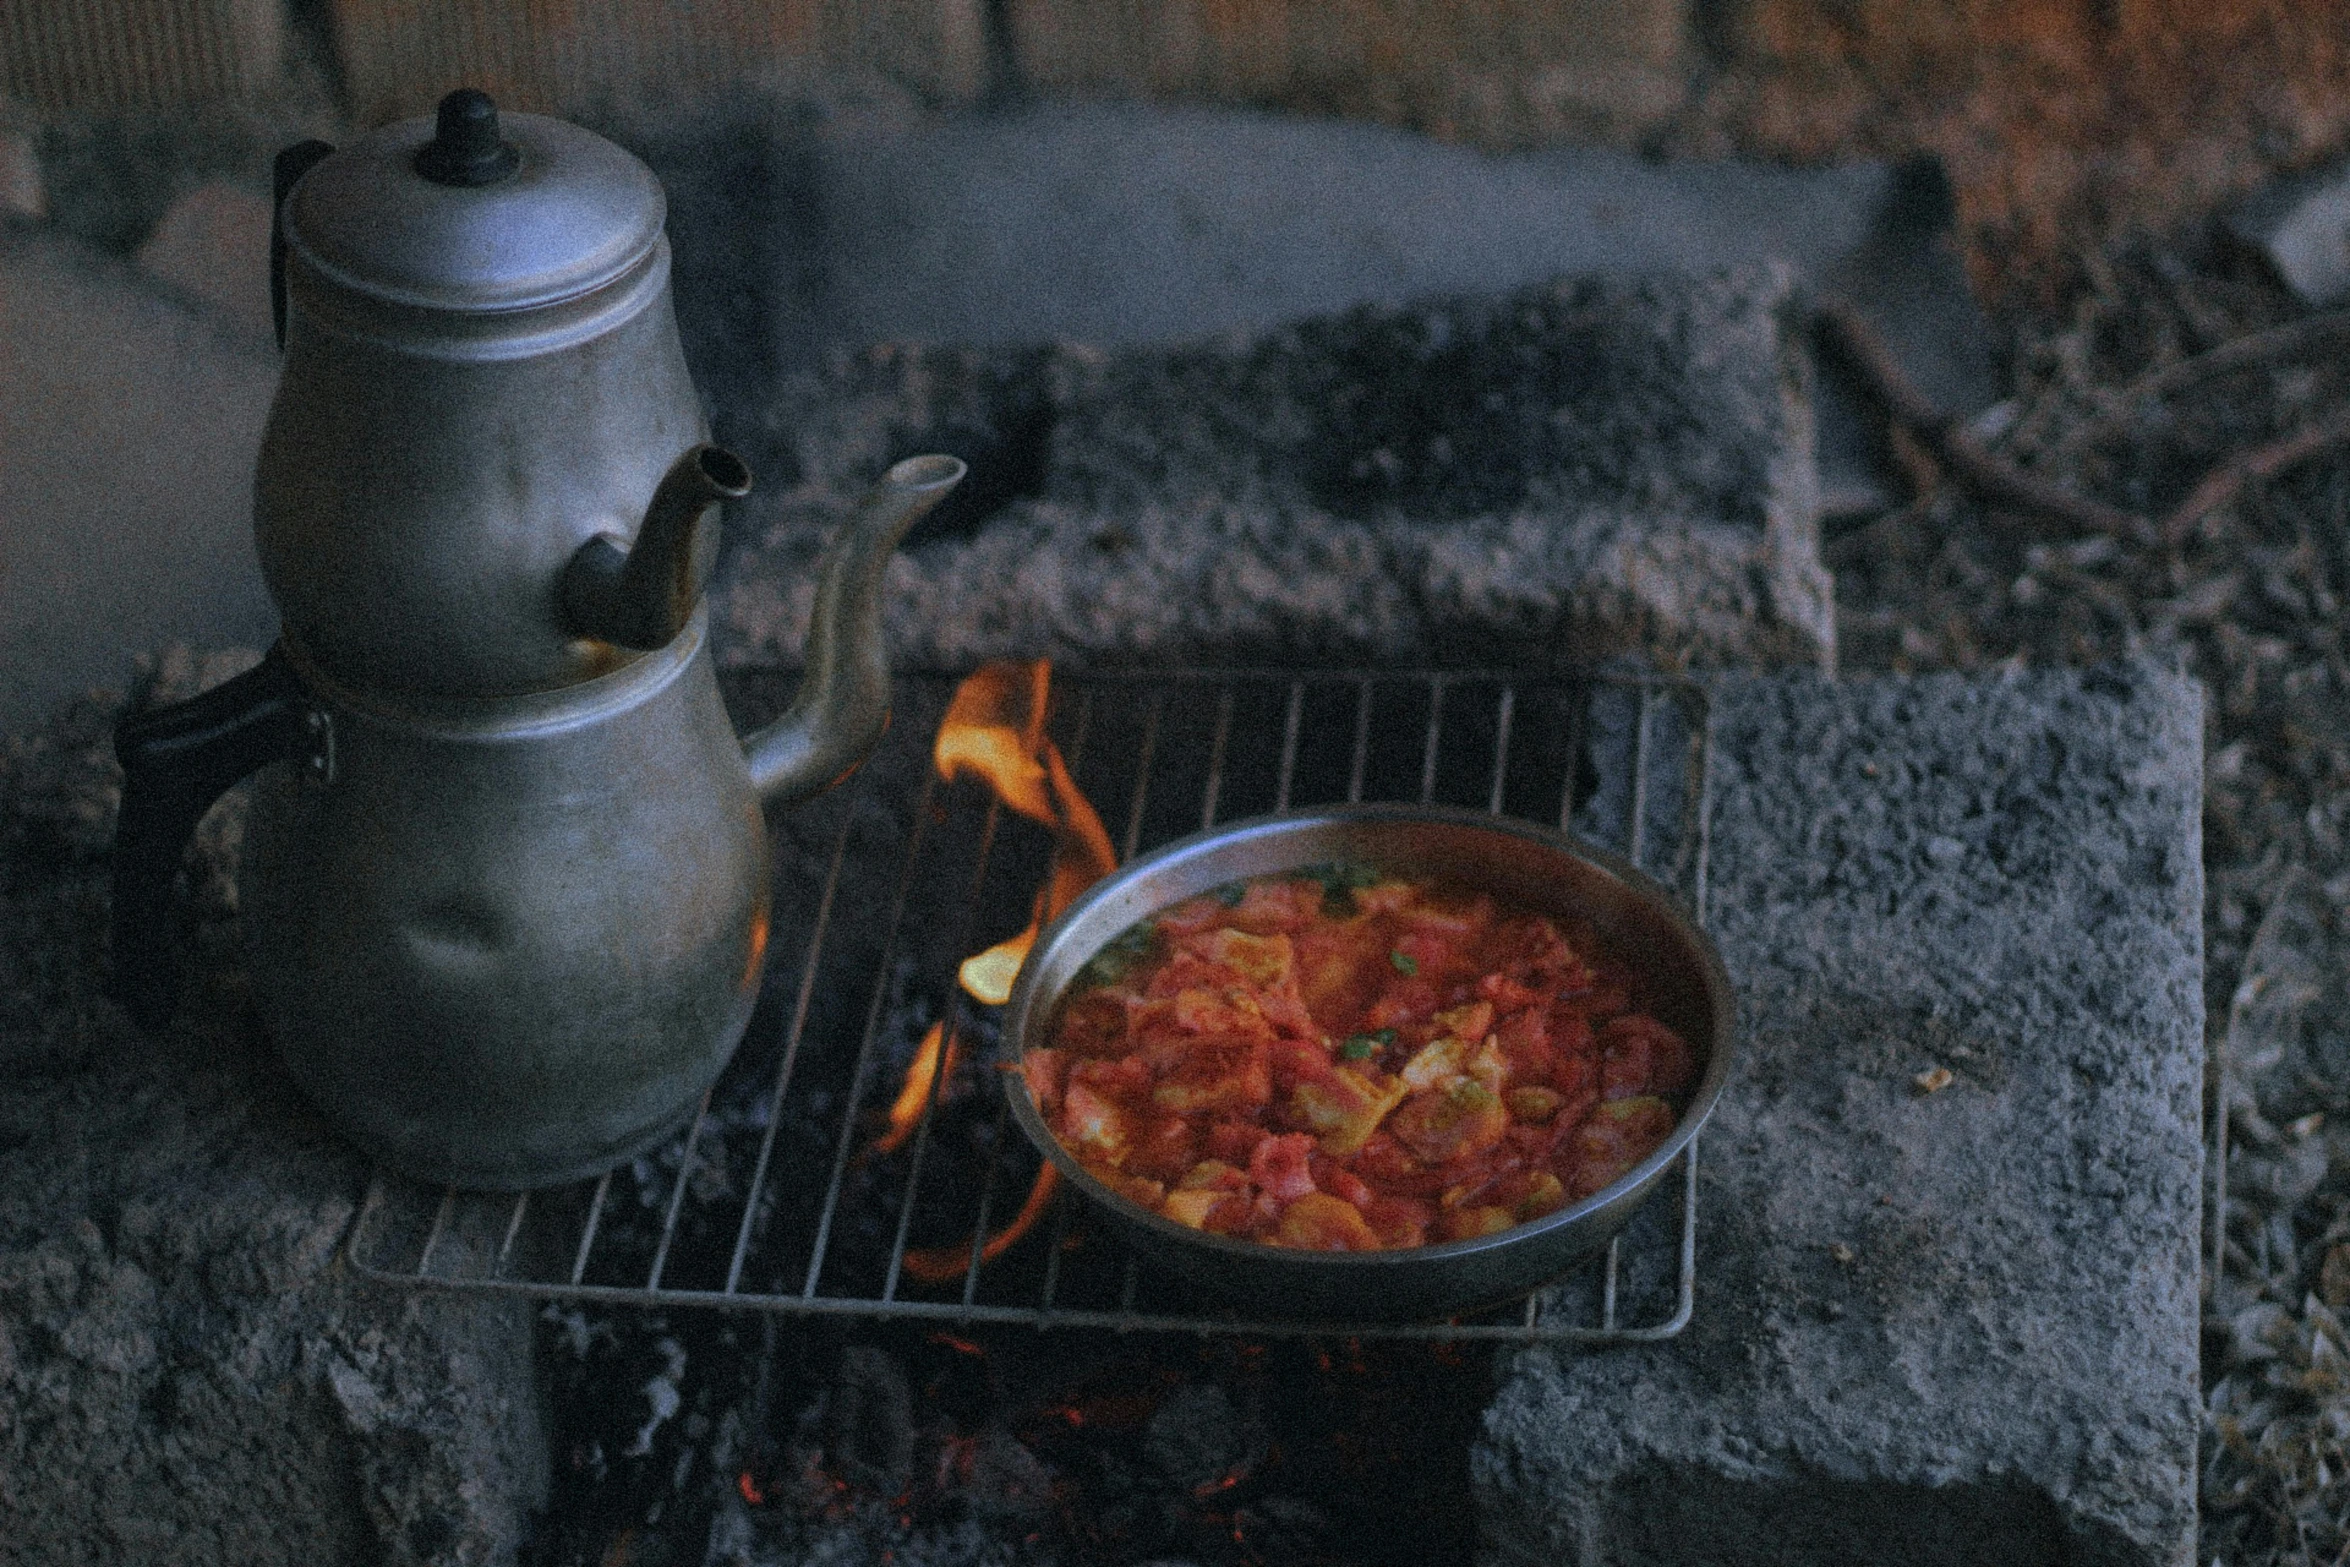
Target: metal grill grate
(775, 1197)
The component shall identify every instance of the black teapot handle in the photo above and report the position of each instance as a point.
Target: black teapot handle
(176, 761)
(289, 166)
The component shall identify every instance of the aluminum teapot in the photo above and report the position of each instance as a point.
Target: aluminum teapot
(505, 876)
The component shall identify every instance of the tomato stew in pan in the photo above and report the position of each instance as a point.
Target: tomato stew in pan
(1334, 1060)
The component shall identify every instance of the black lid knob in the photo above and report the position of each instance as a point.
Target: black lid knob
(465, 148)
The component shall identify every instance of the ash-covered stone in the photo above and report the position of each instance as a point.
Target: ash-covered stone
(1202, 1442)
(189, 1371)
(1585, 468)
(1956, 1326)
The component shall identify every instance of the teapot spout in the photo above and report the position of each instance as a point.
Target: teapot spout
(641, 595)
(843, 701)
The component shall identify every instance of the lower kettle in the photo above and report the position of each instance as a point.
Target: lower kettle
(512, 946)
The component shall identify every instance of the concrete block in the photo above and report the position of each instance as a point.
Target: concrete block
(189, 1373)
(1552, 476)
(1117, 224)
(213, 247)
(1951, 1326)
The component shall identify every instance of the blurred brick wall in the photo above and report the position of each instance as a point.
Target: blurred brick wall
(68, 56)
(2062, 122)
(399, 56)
(1503, 72)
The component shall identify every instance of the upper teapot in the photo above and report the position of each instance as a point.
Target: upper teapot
(482, 377)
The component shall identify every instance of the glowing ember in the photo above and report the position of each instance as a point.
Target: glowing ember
(994, 730)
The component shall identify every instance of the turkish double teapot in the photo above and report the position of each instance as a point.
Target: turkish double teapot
(505, 874)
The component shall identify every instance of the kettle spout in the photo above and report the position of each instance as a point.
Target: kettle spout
(843, 702)
(641, 595)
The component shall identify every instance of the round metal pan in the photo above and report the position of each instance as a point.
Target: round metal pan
(1519, 863)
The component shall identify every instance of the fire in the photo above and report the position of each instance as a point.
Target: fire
(934, 1059)
(938, 1264)
(994, 730)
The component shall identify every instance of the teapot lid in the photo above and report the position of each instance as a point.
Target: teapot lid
(470, 210)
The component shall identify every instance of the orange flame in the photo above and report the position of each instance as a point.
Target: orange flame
(938, 1264)
(930, 1063)
(994, 729)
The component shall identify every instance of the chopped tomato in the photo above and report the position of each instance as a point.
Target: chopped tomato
(1093, 1126)
(1222, 1074)
(1617, 1135)
(1399, 1221)
(1339, 1181)
(1507, 992)
(1642, 1056)
(1163, 1147)
(1095, 1023)
(1123, 1076)
(1232, 1141)
(1271, 904)
(1046, 1070)
(1298, 1061)
(1413, 1000)
(1279, 1165)
(1387, 1164)
(1192, 914)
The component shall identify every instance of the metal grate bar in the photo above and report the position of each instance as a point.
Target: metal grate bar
(981, 1225)
(1362, 757)
(1132, 845)
(791, 1055)
(513, 1229)
(440, 1225)
(1505, 708)
(1636, 830)
(1215, 789)
(880, 993)
(685, 1171)
(1188, 748)
(587, 1231)
(1291, 717)
(1429, 737)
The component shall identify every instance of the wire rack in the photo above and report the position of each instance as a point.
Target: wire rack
(780, 1196)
